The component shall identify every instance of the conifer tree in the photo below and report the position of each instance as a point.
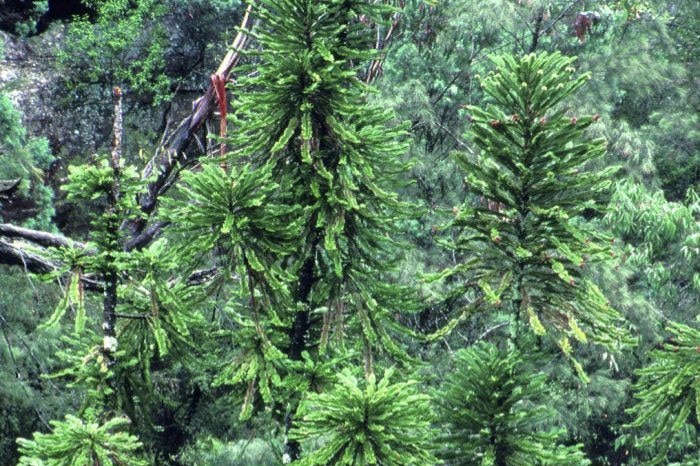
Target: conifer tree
(495, 414)
(305, 113)
(522, 238)
(310, 119)
(76, 443)
(381, 423)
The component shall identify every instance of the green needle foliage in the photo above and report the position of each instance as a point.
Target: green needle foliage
(494, 413)
(306, 114)
(522, 239)
(669, 390)
(77, 443)
(378, 424)
(242, 218)
(310, 118)
(661, 239)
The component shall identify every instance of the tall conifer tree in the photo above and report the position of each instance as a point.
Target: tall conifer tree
(523, 241)
(494, 413)
(306, 113)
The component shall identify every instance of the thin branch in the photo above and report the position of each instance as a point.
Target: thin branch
(558, 18)
(447, 87)
(459, 142)
(131, 316)
(491, 330)
(200, 277)
(375, 67)
(10, 254)
(144, 238)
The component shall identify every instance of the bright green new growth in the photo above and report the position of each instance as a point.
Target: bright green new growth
(76, 443)
(378, 424)
(669, 389)
(495, 413)
(522, 238)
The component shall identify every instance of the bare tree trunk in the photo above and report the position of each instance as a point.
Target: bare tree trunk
(110, 274)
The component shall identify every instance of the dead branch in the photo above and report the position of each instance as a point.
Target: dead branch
(172, 151)
(33, 262)
(375, 68)
(41, 238)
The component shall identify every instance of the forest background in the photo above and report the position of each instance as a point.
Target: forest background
(341, 274)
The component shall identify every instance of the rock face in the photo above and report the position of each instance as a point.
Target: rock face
(29, 78)
(78, 124)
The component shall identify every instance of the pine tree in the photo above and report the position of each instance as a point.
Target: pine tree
(523, 241)
(494, 413)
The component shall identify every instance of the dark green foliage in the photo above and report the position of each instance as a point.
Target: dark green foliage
(677, 156)
(379, 423)
(27, 27)
(522, 238)
(77, 443)
(660, 241)
(27, 400)
(645, 90)
(212, 452)
(668, 391)
(25, 157)
(494, 412)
